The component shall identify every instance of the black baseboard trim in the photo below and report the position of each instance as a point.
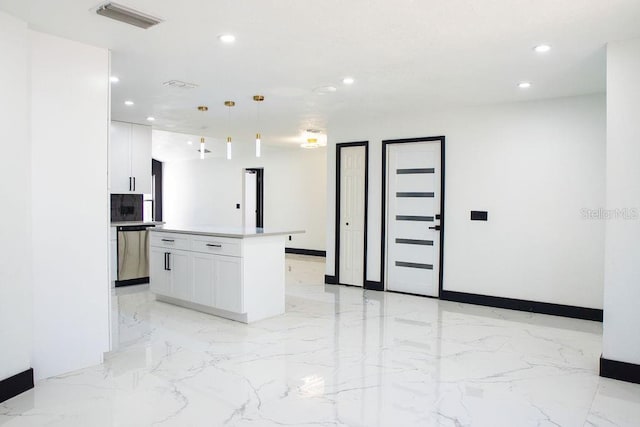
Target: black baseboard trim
(330, 280)
(16, 384)
(623, 371)
(372, 285)
(524, 305)
(131, 282)
(310, 252)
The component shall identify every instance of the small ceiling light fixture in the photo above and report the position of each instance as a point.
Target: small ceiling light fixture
(129, 103)
(258, 99)
(203, 109)
(229, 104)
(114, 79)
(524, 85)
(311, 143)
(190, 142)
(542, 48)
(227, 38)
(312, 139)
(151, 119)
(348, 80)
(323, 90)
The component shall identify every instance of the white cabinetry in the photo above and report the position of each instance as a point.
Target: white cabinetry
(237, 278)
(130, 158)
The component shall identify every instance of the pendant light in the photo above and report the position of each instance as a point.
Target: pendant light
(229, 104)
(202, 108)
(258, 99)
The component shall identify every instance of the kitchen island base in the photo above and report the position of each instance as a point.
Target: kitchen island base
(240, 278)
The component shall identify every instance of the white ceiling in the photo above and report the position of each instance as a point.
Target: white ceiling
(404, 54)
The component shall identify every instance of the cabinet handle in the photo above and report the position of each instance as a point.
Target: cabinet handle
(169, 261)
(214, 246)
(168, 240)
(129, 183)
(165, 260)
(134, 183)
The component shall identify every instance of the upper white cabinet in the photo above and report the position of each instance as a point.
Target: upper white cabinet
(130, 158)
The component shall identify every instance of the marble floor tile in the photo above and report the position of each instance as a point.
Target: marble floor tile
(340, 356)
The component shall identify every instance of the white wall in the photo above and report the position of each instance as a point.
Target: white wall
(622, 255)
(534, 166)
(206, 192)
(15, 181)
(69, 125)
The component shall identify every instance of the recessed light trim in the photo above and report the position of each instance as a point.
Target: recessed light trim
(524, 85)
(348, 80)
(114, 79)
(129, 103)
(542, 48)
(227, 38)
(151, 119)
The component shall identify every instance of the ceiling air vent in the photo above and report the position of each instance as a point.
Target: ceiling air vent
(127, 15)
(180, 84)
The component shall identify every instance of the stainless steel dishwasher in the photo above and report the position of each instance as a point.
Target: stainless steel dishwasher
(133, 255)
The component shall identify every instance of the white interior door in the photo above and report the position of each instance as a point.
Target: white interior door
(352, 177)
(250, 198)
(413, 211)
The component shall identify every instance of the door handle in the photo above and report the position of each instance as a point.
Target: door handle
(435, 227)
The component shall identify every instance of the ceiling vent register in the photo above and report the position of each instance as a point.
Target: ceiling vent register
(127, 15)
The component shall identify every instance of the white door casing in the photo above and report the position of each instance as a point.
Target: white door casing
(413, 206)
(352, 215)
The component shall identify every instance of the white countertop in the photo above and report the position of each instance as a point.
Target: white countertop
(125, 223)
(221, 231)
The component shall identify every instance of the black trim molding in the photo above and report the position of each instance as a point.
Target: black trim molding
(622, 371)
(330, 280)
(524, 305)
(372, 285)
(13, 386)
(131, 282)
(310, 252)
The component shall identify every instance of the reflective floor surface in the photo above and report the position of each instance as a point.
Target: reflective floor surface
(338, 357)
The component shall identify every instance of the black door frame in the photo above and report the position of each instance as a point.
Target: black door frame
(339, 147)
(259, 195)
(383, 260)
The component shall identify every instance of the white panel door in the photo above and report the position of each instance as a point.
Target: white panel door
(228, 283)
(352, 177)
(250, 198)
(203, 278)
(413, 210)
(120, 157)
(141, 158)
(180, 272)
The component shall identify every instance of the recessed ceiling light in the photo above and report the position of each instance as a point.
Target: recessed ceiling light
(151, 118)
(524, 85)
(542, 48)
(189, 142)
(348, 80)
(129, 103)
(227, 38)
(114, 79)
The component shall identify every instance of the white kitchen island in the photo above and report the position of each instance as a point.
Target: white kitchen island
(236, 273)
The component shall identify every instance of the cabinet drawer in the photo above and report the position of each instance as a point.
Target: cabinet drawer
(170, 240)
(216, 245)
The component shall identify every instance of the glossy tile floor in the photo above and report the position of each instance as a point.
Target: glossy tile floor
(338, 357)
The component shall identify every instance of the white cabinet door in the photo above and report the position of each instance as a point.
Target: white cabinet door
(180, 272)
(120, 157)
(203, 278)
(228, 283)
(159, 276)
(141, 158)
(113, 255)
